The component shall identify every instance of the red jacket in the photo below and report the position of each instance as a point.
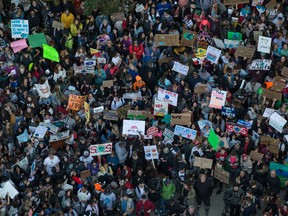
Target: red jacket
(148, 205)
(136, 49)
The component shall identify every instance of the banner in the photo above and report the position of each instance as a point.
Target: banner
(218, 98)
(221, 175)
(219, 43)
(166, 40)
(168, 96)
(18, 45)
(234, 128)
(151, 152)
(37, 40)
(228, 111)
(160, 107)
(180, 68)
(133, 127)
(213, 54)
(185, 132)
(203, 163)
(245, 51)
(277, 121)
(181, 118)
(40, 132)
(87, 111)
(50, 53)
(101, 149)
(261, 64)
(264, 44)
(24, 137)
(168, 134)
(188, 38)
(59, 136)
(43, 89)
(19, 28)
(76, 102)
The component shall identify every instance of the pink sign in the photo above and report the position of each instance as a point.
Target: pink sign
(18, 45)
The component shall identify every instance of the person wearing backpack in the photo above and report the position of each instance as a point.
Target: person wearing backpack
(117, 102)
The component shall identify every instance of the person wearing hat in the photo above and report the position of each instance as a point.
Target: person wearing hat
(138, 83)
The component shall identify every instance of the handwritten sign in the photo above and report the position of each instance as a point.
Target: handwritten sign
(277, 121)
(59, 136)
(76, 102)
(160, 107)
(101, 149)
(264, 44)
(203, 163)
(274, 147)
(135, 115)
(221, 175)
(181, 118)
(19, 28)
(213, 54)
(245, 51)
(168, 96)
(271, 4)
(180, 68)
(188, 38)
(108, 83)
(235, 128)
(256, 156)
(151, 152)
(284, 72)
(185, 132)
(111, 115)
(235, 2)
(272, 94)
(168, 133)
(261, 64)
(200, 88)
(133, 127)
(265, 140)
(218, 98)
(166, 40)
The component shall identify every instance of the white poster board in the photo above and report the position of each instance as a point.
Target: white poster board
(19, 28)
(40, 132)
(9, 188)
(213, 54)
(180, 68)
(219, 43)
(43, 89)
(160, 107)
(277, 121)
(101, 149)
(264, 44)
(185, 132)
(168, 96)
(218, 98)
(98, 109)
(261, 64)
(59, 136)
(133, 127)
(268, 112)
(151, 152)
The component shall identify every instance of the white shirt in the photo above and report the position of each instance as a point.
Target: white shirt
(50, 163)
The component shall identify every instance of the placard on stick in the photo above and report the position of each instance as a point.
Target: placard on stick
(203, 163)
(245, 51)
(221, 175)
(256, 156)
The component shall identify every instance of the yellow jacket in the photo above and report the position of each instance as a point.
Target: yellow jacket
(67, 20)
(74, 30)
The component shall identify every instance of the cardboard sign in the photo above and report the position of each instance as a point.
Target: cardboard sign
(59, 136)
(235, 2)
(264, 44)
(188, 38)
(271, 4)
(166, 40)
(234, 128)
(135, 115)
(185, 132)
(261, 64)
(277, 122)
(111, 115)
(56, 24)
(151, 152)
(256, 35)
(122, 111)
(278, 86)
(213, 54)
(284, 71)
(180, 68)
(19, 28)
(168, 133)
(160, 107)
(181, 118)
(101, 149)
(133, 127)
(84, 174)
(200, 88)
(117, 16)
(76, 102)
(108, 83)
(218, 98)
(245, 51)
(272, 94)
(164, 60)
(274, 147)
(152, 131)
(168, 96)
(265, 140)
(221, 175)
(203, 163)
(256, 156)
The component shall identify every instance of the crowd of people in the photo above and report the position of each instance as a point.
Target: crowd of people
(40, 177)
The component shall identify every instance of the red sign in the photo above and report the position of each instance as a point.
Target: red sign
(235, 128)
(152, 131)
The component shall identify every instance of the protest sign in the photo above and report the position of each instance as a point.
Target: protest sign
(76, 102)
(200, 53)
(219, 43)
(10, 189)
(234, 36)
(185, 132)
(18, 45)
(218, 98)
(43, 89)
(245, 11)
(168, 133)
(24, 163)
(223, 143)
(234, 128)
(151, 152)
(166, 40)
(278, 86)
(260, 9)
(221, 175)
(24, 137)
(203, 163)
(277, 121)
(40, 132)
(235, 2)
(265, 140)
(50, 53)
(148, 137)
(19, 28)
(213, 139)
(152, 131)
(232, 44)
(132, 95)
(59, 136)
(164, 60)
(168, 96)
(122, 111)
(213, 54)
(284, 71)
(203, 123)
(135, 115)
(111, 115)
(264, 44)
(245, 51)
(188, 38)
(228, 111)
(98, 109)
(256, 35)
(272, 94)
(117, 16)
(271, 4)
(203, 40)
(37, 40)
(256, 156)
(180, 68)
(87, 111)
(50, 127)
(160, 107)
(107, 83)
(181, 118)
(247, 124)
(200, 88)
(274, 146)
(90, 66)
(101, 149)
(281, 172)
(261, 64)
(133, 127)
(268, 112)
(57, 24)
(85, 174)
(101, 60)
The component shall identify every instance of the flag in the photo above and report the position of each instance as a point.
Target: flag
(213, 139)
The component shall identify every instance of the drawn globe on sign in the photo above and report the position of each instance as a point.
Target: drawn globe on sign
(167, 97)
(221, 144)
(188, 36)
(237, 129)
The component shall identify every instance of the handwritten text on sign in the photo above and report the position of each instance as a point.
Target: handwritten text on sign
(19, 28)
(185, 132)
(101, 149)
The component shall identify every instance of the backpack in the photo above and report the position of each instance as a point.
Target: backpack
(79, 208)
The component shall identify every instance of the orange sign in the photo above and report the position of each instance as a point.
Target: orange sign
(76, 102)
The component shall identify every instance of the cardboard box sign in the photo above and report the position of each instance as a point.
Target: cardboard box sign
(181, 118)
(235, 2)
(166, 39)
(245, 51)
(284, 71)
(272, 94)
(221, 175)
(200, 88)
(256, 156)
(265, 140)
(203, 163)
(85, 174)
(271, 4)
(107, 83)
(274, 148)
(188, 38)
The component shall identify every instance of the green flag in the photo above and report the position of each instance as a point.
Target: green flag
(50, 53)
(213, 139)
(37, 40)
